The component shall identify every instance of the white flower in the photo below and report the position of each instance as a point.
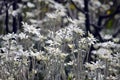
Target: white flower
(81, 18)
(22, 36)
(103, 53)
(108, 44)
(71, 46)
(90, 66)
(74, 21)
(31, 29)
(78, 30)
(15, 12)
(58, 39)
(107, 36)
(40, 56)
(64, 34)
(70, 63)
(91, 39)
(111, 78)
(61, 13)
(9, 36)
(49, 42)
(116, 39)
(117, 55)
(96, 3)
(57, 6)
(51, 15)
(32, 53)
(56, 14)
(94, 65)
(105, 7)
(30, 5)
(33, 21)
(63, 55)
(29, 14)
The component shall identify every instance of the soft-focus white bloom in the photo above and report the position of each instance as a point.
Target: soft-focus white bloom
(30, 5)
(63, 55)
(105, 7)
(55, 14)
(116, 39)
(15, 12)
(32, 53)
(22, 36)
(49, 42)
(117, 55)
(108, 44)
(59, 9)
(83, 40)
(91, 39)
(115, 62)
(20, 5)
(81, 18)
(90, 66)
(111, 78)
(95, 65)
(58, 38)
(78, 30)
(111, 3)
(64, 34)
(51, 15)
(40, 56)
(65, 20)
(60, 13)
(96, 3)
(107, 37)
(103, 53)
(31, 29)
(71, 46)
(33, 21)
(74, 21)
(57, 6)
(70, 63)
(9, 36)
(29, 14)
(67, 32)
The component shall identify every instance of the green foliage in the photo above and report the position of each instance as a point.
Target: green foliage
(109, 24)
(69, 78)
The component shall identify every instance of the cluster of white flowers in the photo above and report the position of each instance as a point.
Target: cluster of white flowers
(103, 53)
(20, 46)
(95, 65)
(67, 33)
(43, 49)
(31, 29)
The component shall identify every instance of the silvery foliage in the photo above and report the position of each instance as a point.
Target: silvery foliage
(55, 53)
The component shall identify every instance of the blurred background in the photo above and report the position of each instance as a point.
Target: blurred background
(101, 16)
